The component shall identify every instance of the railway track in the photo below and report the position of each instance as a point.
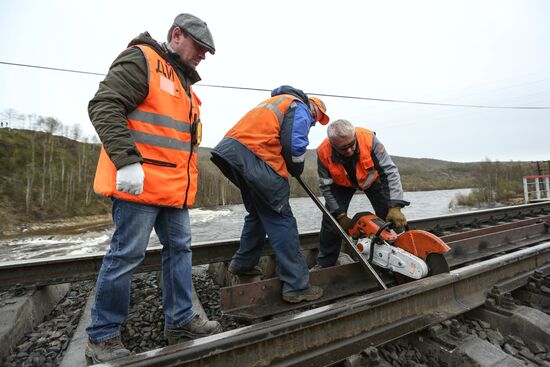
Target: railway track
(70, 269)
(328, 334)
(493, 253)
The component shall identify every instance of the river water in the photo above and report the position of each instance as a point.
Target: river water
(221, 223)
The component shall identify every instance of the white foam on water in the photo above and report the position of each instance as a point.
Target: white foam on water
(200, 215)
(92, 245)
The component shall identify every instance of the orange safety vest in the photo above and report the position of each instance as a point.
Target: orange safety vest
(365, 172)
(260, 131)
(161, 127)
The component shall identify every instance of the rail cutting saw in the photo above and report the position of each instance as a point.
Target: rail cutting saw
(412, 253)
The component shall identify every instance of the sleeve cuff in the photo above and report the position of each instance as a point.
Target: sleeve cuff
(398, 203)
(337, 212)
(124, 161)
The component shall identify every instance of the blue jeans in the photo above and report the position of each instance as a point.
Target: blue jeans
(133, 226)
(282, 232)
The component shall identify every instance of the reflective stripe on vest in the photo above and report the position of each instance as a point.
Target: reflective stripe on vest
(365, 171)
(260, 130)
(161, 130)
(160, 141)
(273, 107)
(160, 120)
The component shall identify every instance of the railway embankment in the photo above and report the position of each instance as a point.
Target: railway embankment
(491, 309)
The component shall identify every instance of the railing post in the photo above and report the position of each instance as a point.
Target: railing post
(525, 190)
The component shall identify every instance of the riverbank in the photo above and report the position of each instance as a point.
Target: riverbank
(71, 225)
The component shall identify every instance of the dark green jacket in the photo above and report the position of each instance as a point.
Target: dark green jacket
(123, 89)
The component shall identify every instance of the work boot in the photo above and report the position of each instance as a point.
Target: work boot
(196, 328)
(105, 351)
(240, 276)
(310, 294)
(256, 270)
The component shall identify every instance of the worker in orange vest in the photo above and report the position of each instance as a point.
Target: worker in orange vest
(148, 120)
(352, 159)
(257, 155)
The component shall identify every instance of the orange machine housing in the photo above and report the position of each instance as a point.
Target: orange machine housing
(417, 242)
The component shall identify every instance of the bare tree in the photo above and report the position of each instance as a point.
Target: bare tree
(31, 121)
(89, 191)
(30, 178)
(49, 124)
(11, 116)
(69, 185)
(62, 174)
(76, 132)
(44, 171)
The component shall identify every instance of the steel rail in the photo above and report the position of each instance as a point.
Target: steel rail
(66, 269)
(63, 269)
(475, 248)
(328, 334)
(495, 228)
(259, 300)
(480, 217)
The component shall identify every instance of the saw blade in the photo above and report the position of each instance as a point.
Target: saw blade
(437, 264)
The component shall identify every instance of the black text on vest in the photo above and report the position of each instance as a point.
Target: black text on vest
(165, 69)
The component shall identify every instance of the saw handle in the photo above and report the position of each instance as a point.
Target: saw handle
(376, 239)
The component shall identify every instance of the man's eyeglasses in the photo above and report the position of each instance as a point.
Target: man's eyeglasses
(347, 146)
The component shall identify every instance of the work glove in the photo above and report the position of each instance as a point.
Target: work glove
(398, 218)
(130, 179)
(344, 221)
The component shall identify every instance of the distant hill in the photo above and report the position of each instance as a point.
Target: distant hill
(46, 176)
(420, 174)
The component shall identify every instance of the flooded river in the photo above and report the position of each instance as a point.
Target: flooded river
(219, 223)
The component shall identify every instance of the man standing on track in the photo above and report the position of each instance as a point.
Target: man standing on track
(147, 117)
(257, 155)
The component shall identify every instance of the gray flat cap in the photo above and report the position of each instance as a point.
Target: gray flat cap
(197, 29)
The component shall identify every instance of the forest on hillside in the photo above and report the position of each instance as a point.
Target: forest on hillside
(46, 176)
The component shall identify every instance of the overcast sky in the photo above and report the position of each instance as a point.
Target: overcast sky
(494, 53)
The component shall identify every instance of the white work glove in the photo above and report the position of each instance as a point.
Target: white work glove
(130, 179)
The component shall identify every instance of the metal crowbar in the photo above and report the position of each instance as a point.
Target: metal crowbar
(351, 246)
